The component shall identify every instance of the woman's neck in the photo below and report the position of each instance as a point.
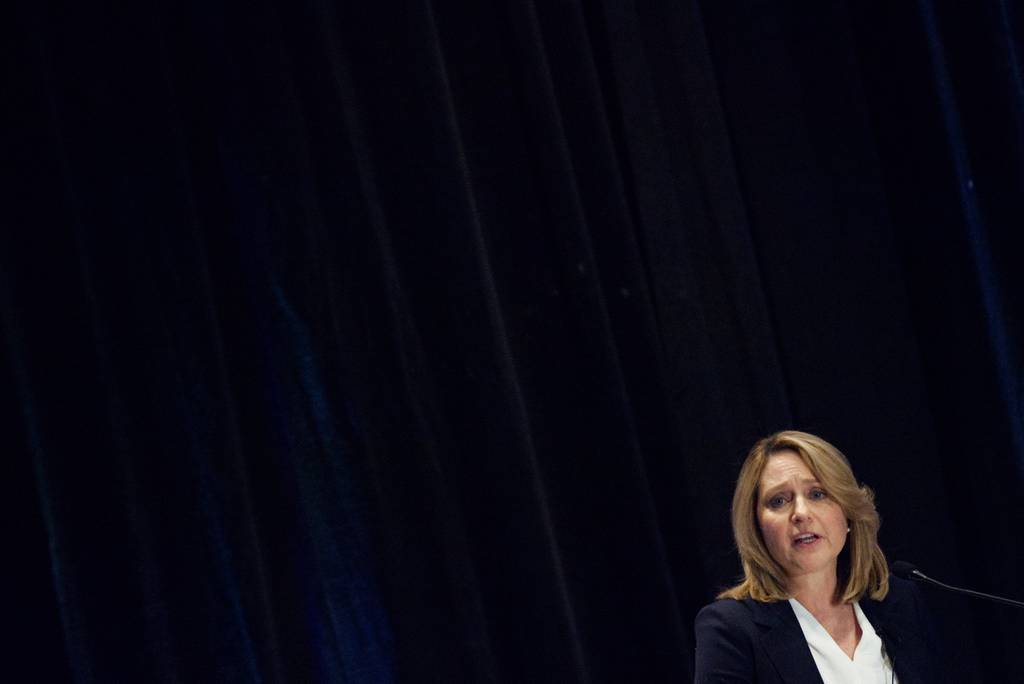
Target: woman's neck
(816, 593)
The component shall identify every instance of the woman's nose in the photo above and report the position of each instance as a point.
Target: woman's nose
(800, 509)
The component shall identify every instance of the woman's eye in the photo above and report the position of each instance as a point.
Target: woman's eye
(818, 494)
(776, 502)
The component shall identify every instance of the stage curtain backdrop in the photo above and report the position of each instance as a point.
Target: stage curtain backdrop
(421, 341)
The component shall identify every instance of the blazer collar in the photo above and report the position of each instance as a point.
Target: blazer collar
(784, 642)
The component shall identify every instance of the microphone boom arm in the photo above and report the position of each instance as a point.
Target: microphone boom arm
(921, 577)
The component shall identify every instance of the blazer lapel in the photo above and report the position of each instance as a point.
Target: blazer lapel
(893, 635)
(784, 642)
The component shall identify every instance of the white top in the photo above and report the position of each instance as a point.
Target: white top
(869, 664)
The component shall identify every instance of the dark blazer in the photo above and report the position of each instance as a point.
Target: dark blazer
(752, 641)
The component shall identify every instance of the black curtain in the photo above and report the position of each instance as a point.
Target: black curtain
(421, 341)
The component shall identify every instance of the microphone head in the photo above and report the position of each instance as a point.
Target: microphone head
(904, 569)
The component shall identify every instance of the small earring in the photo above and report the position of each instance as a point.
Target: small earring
(847, 529)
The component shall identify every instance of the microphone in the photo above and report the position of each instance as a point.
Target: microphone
(908, 571)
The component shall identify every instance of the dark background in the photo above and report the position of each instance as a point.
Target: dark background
(421, 341)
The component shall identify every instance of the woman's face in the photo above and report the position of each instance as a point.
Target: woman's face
(802, 526)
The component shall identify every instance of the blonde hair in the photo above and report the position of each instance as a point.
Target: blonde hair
(862, 567)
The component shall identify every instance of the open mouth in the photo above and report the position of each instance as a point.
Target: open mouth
(806, 539)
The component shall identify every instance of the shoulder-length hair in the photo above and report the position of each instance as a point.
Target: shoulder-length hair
(861, 566)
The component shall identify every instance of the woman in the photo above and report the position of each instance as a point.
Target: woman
(817, 603)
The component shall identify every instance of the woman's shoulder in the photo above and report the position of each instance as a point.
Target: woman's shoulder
(901, 592)
(733, 615)
(903, 610)
(726, 608)
(904, 614)
(902, 587)
(727, 634)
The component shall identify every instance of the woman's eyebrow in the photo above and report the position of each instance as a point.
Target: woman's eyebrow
(783, 485)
